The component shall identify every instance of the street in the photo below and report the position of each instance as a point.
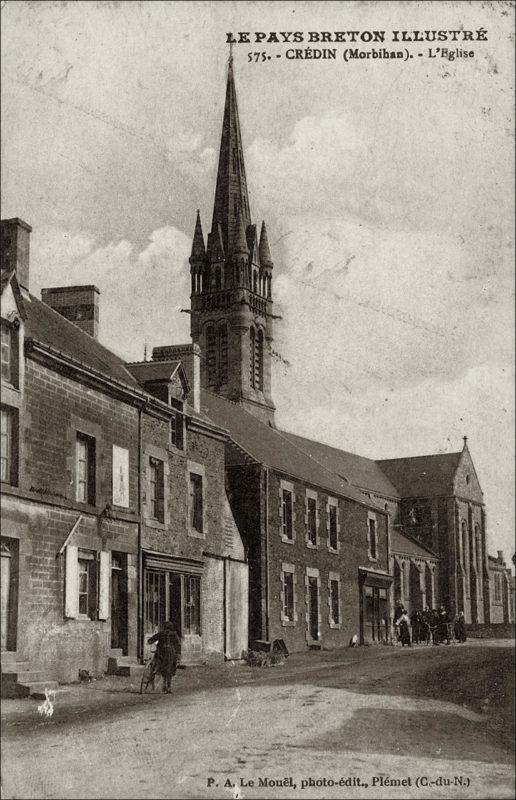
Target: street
(366, 723)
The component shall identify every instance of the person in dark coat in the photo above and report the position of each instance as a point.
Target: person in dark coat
(167, 653)
(444, 630)
(460, 627)
(416, 620)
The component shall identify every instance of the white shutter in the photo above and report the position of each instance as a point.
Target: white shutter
(71, 582)
(104, 583)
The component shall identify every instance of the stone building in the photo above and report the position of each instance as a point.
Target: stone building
(501, 583)
(114, 514)
(288, 492)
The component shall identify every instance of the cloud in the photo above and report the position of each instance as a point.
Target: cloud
(141, 293)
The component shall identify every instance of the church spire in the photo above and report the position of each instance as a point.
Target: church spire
(231, 198)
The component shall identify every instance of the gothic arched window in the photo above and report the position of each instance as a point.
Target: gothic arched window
(252, 355)
(259, 360)
(211, 355)
(255, 282)
(222, 353)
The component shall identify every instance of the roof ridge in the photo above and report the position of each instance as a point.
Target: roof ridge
(331, 446)
(413, 458)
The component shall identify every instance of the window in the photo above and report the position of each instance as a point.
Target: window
(87, 584)
(196, 502)
(176, 431)
(211, 355)
(259, 361)
(156, 489)
(288, 596)
(9, 445)
(222, 353)
(192, 604)
(334, 601)
(85, 469)
(333, 535)
(497, 587)
(7, 352)
(372, 534)
(311, 521)
(286, 512)
(256, 359)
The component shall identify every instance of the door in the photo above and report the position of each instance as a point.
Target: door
(313, 609)
(119, 602)
(5, 588)
(155, 605)
(9, 593)
(376, 613)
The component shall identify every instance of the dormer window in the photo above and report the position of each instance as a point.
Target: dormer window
(9, 352)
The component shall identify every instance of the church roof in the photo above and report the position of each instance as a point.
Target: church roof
(362, 472)
(405, 545)
(422, 476)
(231, 195)
(271, 447)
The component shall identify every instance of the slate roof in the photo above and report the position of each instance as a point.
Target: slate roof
(48, 327)
(360, 471)
(422, 476)
(404, 545)
(273, 448)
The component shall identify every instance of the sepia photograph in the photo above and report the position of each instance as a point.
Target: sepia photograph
(257, 399)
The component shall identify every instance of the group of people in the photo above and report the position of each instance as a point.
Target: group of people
(428, 625)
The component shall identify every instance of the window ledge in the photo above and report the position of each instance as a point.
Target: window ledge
(154, 523)
(312, 546)
(287, 623)
(335, 626)
(287, 540)
(372, 558)
(333, 550)
(196, 534)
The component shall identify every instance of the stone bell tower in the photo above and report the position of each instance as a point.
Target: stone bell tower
(231, 299)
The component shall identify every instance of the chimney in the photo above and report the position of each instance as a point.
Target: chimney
(15, 245)
(190, 357)
(79, 304)
(500, 557)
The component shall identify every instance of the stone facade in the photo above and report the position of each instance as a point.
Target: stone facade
(101, 543)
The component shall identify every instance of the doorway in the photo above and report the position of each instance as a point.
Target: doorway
(119, 602)
(376, 621)
(9, 593)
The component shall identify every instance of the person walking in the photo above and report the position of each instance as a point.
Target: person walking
(168, 651)
(404, 629)
(460, 627)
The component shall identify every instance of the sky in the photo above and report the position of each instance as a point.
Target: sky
(386, 186)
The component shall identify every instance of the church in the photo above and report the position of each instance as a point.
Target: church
(334, 540)
(135, 493)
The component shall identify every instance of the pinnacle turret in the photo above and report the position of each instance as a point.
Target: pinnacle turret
(198, 253)
(264, 249)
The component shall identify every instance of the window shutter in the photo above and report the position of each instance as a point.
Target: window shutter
(104, 583)
(71, 582)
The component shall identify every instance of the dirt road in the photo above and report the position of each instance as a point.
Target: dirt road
(339, 725)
